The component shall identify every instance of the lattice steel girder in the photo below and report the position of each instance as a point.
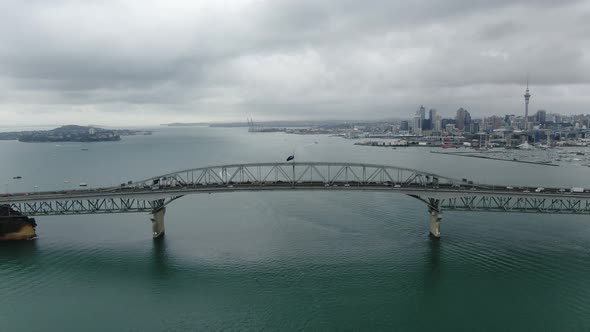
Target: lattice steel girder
(533, 204)
(86, 206)
(142, 201)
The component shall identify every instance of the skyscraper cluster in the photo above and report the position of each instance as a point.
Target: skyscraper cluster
(462, 119)
(420, 123)
(462, 122)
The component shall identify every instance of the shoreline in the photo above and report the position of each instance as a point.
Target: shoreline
(493, 158)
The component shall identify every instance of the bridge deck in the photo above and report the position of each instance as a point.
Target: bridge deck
(444, 192)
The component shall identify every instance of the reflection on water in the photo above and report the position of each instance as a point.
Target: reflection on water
(23, 252)
(160, 262)
(433, 258)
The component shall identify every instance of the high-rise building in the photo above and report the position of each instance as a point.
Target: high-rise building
(419, 121)
(421, 112)
(519, 122)
(462, 119)
(431, 118)
(404, 125)
(527, 96)
(417, 125)
(437, 123)
(493, 122)
(509, 120)
(541, 117)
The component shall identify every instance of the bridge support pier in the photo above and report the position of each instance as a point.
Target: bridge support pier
(435, 218)
(158, 222)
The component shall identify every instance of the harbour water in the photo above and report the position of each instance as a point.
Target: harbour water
(287, 261)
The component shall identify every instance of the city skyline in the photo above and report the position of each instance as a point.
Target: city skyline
(433, 112)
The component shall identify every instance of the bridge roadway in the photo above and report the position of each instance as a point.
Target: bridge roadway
(438, 192)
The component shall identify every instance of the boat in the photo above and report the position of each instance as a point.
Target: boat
(17, 177)
(83, 184)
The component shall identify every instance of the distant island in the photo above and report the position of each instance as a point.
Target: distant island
(72, 133)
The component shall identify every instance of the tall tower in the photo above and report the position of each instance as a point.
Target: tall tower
(527, 96)
(431, 118)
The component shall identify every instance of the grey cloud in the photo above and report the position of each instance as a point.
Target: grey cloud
(499, 30)
(322, 59)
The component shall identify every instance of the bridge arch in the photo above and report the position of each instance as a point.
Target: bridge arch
(301, 175)
(329, 173)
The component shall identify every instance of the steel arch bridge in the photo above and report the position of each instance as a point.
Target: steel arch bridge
(438, 192)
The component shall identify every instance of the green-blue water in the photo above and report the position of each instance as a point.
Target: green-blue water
(287, 261)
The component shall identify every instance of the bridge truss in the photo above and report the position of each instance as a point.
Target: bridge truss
(438, 192)
(87, 206)
(296, 173)
(485, 201)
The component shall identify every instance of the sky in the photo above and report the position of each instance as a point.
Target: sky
(142, 62)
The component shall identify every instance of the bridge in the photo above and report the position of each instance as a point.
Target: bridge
(438, 192)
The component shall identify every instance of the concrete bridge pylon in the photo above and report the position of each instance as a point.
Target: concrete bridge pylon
(157, 219)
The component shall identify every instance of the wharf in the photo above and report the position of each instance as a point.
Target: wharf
(494, 158)
(376, 144)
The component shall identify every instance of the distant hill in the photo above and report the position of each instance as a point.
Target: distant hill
(185, 124)
(71, 133)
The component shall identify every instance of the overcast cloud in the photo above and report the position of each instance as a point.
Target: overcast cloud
(152, 61)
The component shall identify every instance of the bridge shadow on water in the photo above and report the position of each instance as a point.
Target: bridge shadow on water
(433, 265)
(24, 251)
(95, 262)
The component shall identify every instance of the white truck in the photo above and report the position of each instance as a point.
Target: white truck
(577, 190)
